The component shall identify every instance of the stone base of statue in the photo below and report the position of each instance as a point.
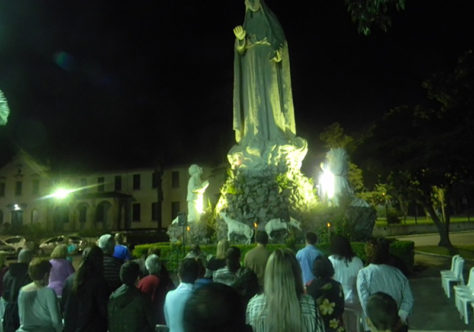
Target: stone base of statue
(196, 232)
(264, 183)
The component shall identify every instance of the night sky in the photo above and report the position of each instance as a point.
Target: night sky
(116, 84)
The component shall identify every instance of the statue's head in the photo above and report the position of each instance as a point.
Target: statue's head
(253, 5)
(195, 170)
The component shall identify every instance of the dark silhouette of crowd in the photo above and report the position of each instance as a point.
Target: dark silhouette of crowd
(271, 291)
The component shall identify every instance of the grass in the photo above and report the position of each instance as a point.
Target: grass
(423, 221)
(466, 250)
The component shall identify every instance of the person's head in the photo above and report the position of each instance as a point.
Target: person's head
(341, 248)
(311, 238)
(382, 313)
(253, 5)
(129, 273)
(107, 243)
(322, 268)
(120, 238)
(377, 251)
(222, 247)
(25, 256)
(214, 308)
(262, 237)
(232, 258)
(91, 266)
(60, 251)
(38, 270)
(195, 249)
(188, 270)
(283, 287)
(152, 264)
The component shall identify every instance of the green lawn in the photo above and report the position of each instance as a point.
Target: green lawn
(466, 251)
(423, 220)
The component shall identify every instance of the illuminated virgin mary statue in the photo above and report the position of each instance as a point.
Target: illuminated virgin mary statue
(4, 109)
(263, 120)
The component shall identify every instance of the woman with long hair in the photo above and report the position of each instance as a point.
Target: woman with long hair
(86, 295)
(60, 270)
(283, 306)
(346, 267)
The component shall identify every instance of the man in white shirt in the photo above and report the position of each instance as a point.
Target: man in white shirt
(176, 299)
(380, 277)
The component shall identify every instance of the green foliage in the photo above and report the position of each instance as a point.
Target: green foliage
(334, 137)
(373, 13)
(393, 216)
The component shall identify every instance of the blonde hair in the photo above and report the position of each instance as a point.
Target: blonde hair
(60, 251)
(221, 250)
(283, 288)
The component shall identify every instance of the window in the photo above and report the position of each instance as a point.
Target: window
(2, 189)
(35, 187)
(34, 216)
(18, 187)
(154, 211)
(175, 179)
(136, 182)
(174, 209)
(154, 179)
(82, 214)
(118, 183)
(100, 182)
(136, 212)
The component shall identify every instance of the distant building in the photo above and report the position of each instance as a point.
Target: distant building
(109, 200)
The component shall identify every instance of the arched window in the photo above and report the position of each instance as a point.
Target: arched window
(34, 216)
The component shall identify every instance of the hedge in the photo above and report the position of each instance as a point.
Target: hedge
(172, 253)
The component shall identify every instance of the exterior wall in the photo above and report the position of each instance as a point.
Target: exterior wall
(83, 208)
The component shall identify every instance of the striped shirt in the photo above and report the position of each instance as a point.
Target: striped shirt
(255, 315)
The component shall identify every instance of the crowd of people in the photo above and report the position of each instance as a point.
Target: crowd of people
(271, 291)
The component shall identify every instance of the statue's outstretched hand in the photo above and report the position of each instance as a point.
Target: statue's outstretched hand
(239, 32)
(276, 56)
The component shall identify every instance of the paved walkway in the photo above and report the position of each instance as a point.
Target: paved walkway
(433, 311)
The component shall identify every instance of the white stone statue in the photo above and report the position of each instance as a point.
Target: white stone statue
(195, 197)
(277, 225)
(237, 227)
(333, 183)
(4, 109)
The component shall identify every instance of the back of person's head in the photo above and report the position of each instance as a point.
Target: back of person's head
(222, 247)
(283, 287)
(322, 268)
(120, 238)
(188, 270)
(377, 251)
(232, 258)
(25, 256)
(341, 248)
(91, 266)
(107, 243)
(129, 272)
(382, 313)
(196, 249)
(60, 251)
(38, 268)
(152, 264)
(214, 308)
(262, 237)
(311, 238)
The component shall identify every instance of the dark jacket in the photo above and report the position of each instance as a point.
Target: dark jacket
(112, 272)
(15, 278)
(129, 311)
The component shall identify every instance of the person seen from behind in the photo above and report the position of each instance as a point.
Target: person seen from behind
(306, 257)
(61, 268)
(382, 314)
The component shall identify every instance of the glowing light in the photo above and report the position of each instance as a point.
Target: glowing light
(61, 193)
(188, 228)
(255, 225)
(327, 183)
(328, 225)
(200, 203)
(16, 207)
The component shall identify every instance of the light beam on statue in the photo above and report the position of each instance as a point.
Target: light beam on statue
(326, 183)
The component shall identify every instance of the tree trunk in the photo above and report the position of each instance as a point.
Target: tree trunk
(443, 229)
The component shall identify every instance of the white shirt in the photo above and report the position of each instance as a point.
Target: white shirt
(386, 279)
(174, 306)
(346, 274)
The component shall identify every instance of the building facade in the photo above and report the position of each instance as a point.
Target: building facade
(143, 198)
